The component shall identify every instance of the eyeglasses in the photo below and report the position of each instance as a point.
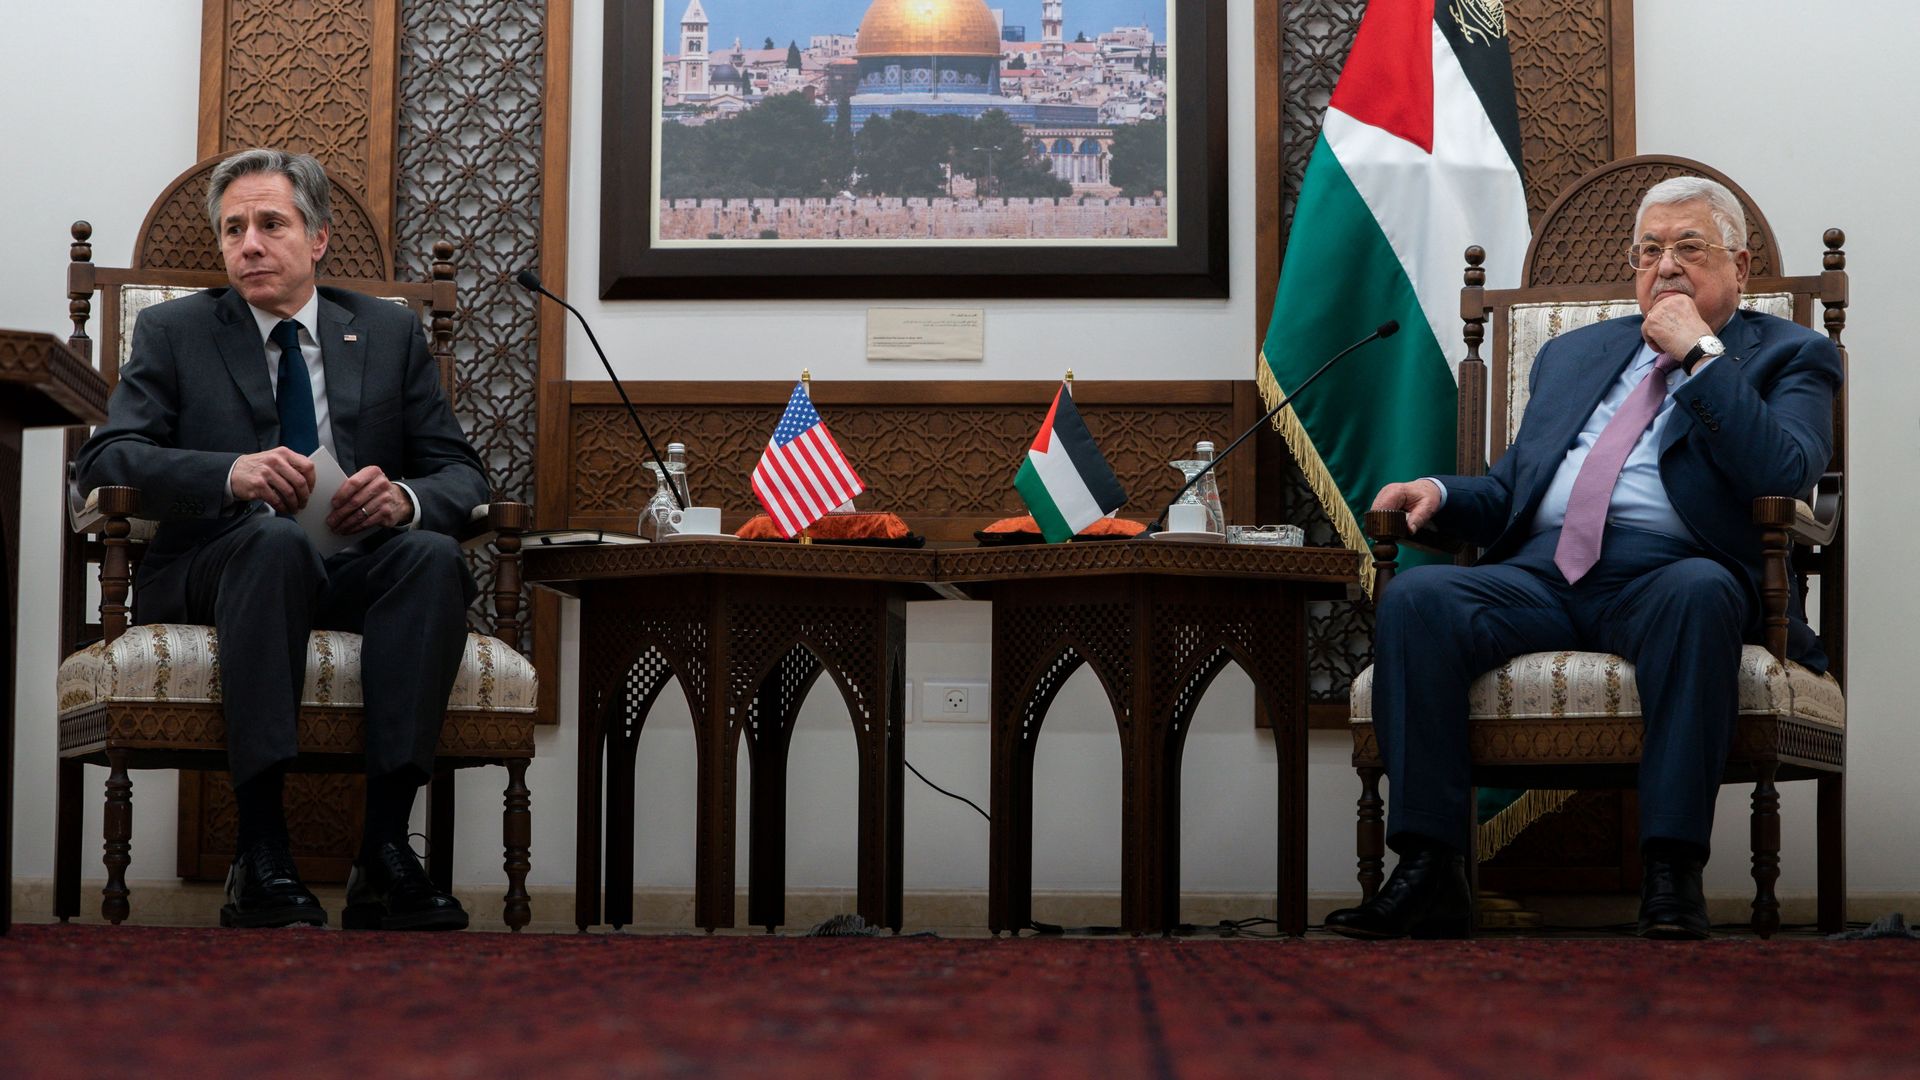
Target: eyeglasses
(1645, 254)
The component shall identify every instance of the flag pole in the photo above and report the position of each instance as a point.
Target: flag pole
(806, 383)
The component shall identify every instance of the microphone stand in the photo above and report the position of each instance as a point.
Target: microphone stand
(530, 281)
(1384, 330)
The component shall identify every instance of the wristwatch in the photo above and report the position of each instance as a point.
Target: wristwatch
(1705, 347)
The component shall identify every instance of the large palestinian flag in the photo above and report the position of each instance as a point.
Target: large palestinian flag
(1418, 158)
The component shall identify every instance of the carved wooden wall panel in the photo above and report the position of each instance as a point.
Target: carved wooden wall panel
(314, 76)
(1573, 75)
(946, 468)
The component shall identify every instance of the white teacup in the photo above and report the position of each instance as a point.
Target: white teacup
(695, 520)
(1186, 518)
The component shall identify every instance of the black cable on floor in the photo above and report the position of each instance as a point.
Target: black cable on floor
(1227, 928)
(944, 791)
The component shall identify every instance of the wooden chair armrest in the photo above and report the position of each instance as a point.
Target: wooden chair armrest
(504, 522)
(1388, 529)
(1775, 515)
(87, 514)
(1815, 523)
(115, 507)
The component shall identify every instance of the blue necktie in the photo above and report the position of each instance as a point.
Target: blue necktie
(299, 430)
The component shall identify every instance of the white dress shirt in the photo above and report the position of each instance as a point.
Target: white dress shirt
(308, 318)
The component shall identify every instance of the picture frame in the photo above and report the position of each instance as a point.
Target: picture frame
(638, 260)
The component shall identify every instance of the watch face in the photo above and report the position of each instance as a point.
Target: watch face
(1712, 346)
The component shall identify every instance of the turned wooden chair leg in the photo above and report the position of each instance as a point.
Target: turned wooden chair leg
(516, 832)
(1830, 823)
(117, 827)
(1766, 851)
(440, 830)
(67, 827)
(1370, 835)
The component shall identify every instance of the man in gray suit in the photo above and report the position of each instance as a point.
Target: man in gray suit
(223, 400)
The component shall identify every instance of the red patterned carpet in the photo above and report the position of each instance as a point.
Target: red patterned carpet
(94, 1001)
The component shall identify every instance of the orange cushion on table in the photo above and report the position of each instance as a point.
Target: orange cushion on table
(877, 526)
(1104, 527)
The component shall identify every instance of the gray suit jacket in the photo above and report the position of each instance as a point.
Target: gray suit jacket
(194, 396)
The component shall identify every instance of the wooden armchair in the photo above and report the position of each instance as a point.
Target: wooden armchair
(148, 696)
(1550, 722)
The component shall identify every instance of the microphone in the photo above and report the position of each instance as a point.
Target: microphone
(530, 281)
(1384, 330)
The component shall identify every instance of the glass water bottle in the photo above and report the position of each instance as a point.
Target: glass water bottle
(656, 520)
(1208, 489)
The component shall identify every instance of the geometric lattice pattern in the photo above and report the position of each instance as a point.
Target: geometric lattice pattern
(468, 170)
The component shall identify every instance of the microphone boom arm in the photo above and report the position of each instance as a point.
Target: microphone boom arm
(1385, 330)
(530, 280)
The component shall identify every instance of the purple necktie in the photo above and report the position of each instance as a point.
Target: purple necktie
(1579, 546)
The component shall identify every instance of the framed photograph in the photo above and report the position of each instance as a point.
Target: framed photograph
(914, 148)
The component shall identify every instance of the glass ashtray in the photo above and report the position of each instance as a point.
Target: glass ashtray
(1268, 535)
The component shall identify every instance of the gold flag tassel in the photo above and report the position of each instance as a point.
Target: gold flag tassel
(1506, 826)
(1325, 491)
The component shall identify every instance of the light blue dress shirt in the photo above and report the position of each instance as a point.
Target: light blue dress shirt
(1639, 498)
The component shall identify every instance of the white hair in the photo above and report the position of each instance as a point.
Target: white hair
(1727, 212)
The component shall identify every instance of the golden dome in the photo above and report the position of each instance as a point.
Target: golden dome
(928, 28)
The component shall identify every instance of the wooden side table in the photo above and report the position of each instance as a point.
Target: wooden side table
(43, 383)
(1156, 620)
(747, 628)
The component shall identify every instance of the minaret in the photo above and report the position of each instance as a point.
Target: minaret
(693, 51)
(1052, 45)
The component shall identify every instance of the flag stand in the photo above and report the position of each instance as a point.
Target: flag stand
(806, 380)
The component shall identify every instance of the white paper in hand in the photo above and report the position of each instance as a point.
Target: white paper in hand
(327, 479)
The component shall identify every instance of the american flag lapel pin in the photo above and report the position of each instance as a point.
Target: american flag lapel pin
(350, 337)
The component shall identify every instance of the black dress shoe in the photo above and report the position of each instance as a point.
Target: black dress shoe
(264, 889)
(1427, 896)
(391, 891)
(1673, 906)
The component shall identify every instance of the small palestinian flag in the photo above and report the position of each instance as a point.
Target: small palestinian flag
(1065, 482)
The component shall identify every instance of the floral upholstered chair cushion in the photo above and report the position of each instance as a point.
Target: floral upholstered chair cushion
(1593, 685)
(178, 662)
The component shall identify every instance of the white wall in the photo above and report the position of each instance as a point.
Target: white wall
(88, 151)
(1809, 108)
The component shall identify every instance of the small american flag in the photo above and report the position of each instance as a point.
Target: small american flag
(802, 473)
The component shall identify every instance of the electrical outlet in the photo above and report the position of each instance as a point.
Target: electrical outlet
(953, 702)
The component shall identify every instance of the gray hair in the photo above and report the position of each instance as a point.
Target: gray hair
(1727, 212)
(312, 194)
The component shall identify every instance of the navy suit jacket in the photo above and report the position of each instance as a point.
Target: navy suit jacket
(1757, 421)
(194, 396)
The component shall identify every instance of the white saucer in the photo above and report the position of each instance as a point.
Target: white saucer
(670, 537)
(1192, 537)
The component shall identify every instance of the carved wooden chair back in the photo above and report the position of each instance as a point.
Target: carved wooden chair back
(177, 253)
(1792, 723)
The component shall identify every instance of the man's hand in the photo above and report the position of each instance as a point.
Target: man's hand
(278, 477)
(1673, 325)
(368, 499)
(1419, 498)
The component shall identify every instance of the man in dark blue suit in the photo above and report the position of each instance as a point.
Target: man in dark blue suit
(1633, 539)
(224, 398)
